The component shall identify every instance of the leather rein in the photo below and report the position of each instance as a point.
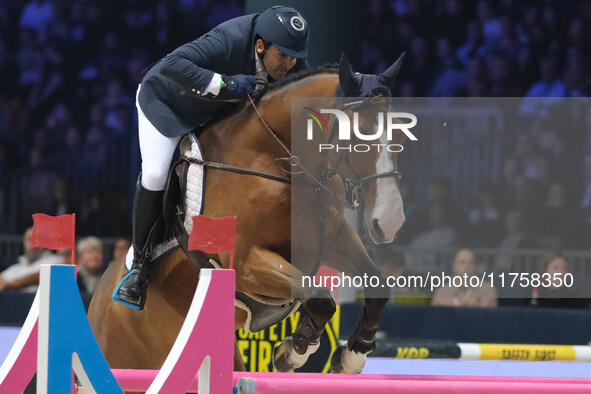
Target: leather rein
(353, 185)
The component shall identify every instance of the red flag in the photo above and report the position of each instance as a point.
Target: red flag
(213, 235)
(53, 232)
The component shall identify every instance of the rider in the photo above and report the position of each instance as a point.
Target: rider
(220, 65)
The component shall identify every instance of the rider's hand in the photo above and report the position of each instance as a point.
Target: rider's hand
(237, 86)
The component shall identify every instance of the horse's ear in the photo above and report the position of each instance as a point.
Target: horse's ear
(346, 76)
(389, 76)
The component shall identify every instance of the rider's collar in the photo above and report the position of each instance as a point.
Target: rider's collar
(260, 68)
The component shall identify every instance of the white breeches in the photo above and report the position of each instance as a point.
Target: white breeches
(156, 150)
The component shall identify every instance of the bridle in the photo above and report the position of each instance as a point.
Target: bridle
(354, 185)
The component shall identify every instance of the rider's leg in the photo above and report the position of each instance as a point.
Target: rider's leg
(157, 151)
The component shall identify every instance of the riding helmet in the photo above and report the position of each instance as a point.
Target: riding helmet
(285, 28)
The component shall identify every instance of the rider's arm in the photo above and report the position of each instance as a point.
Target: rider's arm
(191, 64)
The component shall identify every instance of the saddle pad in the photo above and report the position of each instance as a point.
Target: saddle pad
(195, 180)
(194, 197)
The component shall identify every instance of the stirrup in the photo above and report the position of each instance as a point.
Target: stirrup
(142, 303)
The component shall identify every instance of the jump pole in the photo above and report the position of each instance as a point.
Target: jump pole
(140, 380)
(76, 343)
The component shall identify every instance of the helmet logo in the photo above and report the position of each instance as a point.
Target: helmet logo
(297, 23)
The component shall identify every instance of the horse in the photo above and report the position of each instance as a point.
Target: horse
(257, 138)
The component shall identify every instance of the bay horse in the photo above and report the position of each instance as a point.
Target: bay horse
(264, 244)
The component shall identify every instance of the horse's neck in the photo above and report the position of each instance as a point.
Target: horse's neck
(244, 130)
(317, 85)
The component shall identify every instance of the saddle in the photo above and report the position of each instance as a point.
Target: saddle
(183, 198)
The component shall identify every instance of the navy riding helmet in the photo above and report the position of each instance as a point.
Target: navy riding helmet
(285, 28)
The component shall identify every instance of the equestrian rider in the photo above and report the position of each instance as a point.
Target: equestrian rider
(220, 65)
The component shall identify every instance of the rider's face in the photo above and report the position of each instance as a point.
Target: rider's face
(276, 63)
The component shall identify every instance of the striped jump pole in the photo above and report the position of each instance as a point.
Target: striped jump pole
(66, 341)
(198, 363)
(355, 385)
(261, 382)
(484, 351)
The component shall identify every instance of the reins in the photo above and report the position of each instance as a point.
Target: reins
(239, 170)
(353, 185)
(294, 161)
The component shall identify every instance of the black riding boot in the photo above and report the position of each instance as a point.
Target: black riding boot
(147, 206)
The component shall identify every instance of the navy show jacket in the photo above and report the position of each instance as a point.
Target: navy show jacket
(227, 49)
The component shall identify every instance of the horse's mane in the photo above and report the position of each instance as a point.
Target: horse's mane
(327, 68)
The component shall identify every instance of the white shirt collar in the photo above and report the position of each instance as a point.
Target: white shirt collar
(260, 70)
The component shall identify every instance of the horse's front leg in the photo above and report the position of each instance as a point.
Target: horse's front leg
(305, 340)
(349, 256)
(266, 273)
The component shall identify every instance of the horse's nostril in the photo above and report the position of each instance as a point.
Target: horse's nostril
(376, 227)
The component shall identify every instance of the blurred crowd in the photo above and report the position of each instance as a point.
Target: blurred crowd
(506, 48)
(70, 69)
(550, 283)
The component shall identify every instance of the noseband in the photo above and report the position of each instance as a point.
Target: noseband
(354, 184)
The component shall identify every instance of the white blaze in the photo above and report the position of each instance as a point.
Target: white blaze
(388, 205)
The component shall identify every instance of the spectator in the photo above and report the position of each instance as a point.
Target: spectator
(464, 266)
(392, 264)
(412, 224)
(24, 274)
(440, 234)
(419, 70)
(491, 26)
(51, 84)
(61, 197)
(37, 15)
(586, 199)
(90, 263)
(503, 81)
(440, 190)
(473, 47)
(485, 218)
(553, 293)
(550, 86)
(557, 227)
(66, 254)
(451, 77)
(120, 249)
(92, 216)
(516, 237)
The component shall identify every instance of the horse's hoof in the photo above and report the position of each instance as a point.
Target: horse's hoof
(347, 361)
(246, 386)
(286, 359)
